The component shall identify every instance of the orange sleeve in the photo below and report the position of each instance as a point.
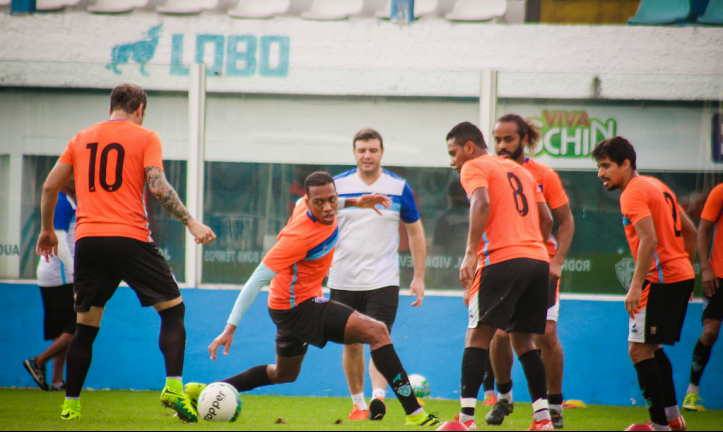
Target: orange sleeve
(634, 206)
(290, 249)
(555, 194)
(473, 177)
(153, 157)
(67, 157)
(713, 205)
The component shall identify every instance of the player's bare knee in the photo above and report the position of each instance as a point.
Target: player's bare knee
(278, 376)
(354, 349)
(501, 337)
(379, 334)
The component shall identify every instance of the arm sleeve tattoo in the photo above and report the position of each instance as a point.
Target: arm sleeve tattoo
(165, 194)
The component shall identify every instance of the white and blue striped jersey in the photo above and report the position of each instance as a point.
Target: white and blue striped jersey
(56, 273)
(366, 255)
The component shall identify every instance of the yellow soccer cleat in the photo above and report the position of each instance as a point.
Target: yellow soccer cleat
(690, 403)
(71, 409)
(175, 398)
(193, 390)
(423, 419)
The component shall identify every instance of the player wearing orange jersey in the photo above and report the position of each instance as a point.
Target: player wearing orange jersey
(512, 135)
(113, 164)
(663, 243)
(506, 270)
(296, 267)
(711, 263)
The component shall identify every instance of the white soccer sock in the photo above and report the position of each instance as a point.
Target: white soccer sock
(507, 396)
(359, 401)
(658, 427)
(692, 388)
(672, 413)
(556, 408)
(72, 398)
(57, 385)
(464, 418)
(489, 393)
(542, 411)
(379, 394)
(418, 412)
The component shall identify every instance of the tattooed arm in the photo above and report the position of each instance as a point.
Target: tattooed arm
(169, 200)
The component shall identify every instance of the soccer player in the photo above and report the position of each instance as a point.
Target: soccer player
(663, 242)
(506, 269)
(296, 267)
(365, 272)
(512, 135)
(55, 279)
(711, 262)
(113, 163)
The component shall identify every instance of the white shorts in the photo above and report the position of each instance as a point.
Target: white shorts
(473, 312)
(554, 312)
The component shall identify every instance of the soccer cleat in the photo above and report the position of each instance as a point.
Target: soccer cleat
(53, 388)
(501, 410)
(556, 417)
(71, 409)
(470, 425)
(490, 400)
(678, 424)
(180, 403)
(690, 403)
(639, 427)
(193, 391)
(358, 415)
(37, 372)
(377, 409)
(423, 419)
(545, 425)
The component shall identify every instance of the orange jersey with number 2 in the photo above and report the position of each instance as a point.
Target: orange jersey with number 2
(647, 196)
(109, 161)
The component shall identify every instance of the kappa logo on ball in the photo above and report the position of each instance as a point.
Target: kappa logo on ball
(625, 270)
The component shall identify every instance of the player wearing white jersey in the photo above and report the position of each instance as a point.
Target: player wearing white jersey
(365, 272)
(55, 279)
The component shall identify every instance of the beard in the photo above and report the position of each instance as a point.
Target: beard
(514, 155)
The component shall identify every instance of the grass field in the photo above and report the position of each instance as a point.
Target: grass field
(123, 410)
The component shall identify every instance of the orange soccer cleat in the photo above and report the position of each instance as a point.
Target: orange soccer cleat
(358, 415)
(490, 400)
(470, 425)
(545, 425)
(678, 424)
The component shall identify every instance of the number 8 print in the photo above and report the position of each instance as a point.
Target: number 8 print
(518, 194)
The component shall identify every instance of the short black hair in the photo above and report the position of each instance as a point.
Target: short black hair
(617, 149)
(466, 131)
(318, 178)
(128, 98)
(368, 134)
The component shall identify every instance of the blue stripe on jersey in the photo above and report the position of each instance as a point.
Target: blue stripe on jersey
(62, 272)
(710, 253)
(345, 174)
(553, 241)
(660, 270)
(324, 248)
(293, 282)
(64, 213)
(626, 221)
(484, 251)
(145, 210)
(311, 216)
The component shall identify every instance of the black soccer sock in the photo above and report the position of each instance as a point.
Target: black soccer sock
(474, 364)
(79, 356)
(666, 373)
(701, 355)
(534, 370)
(388, 364)
(504, 388)
(555, 399)
(253, 378)
(489, 382)
(172, 339)
(651, 385)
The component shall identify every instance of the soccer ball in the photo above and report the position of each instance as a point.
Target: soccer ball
(420, 386)
(219, 402)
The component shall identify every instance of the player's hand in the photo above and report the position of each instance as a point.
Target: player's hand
(203, 235)
(632, 301)
(371, 201)
(417, 289)
(555, 271)
(467, 271)
(225, 340)
(47, 245)
(710, 282)
(465, 297)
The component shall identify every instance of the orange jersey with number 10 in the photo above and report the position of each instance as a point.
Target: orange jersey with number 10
(109, 161)
(647, 196)
(713, 212)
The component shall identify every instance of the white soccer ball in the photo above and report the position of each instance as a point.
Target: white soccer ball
(420, 386)
(219, 402)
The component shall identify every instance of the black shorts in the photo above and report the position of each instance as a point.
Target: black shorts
(554, 288)
(60, 316)
(101, 263)
(380, 304)
(514, 295)
(315, 321)
(713, 306)
(660, 321)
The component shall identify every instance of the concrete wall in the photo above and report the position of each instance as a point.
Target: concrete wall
(429, 341)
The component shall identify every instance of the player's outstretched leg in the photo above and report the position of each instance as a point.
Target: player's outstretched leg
(80, 354)
(650, 381)
(701, 355)
(672, 414)
(172, 341)
(362, 329)
(534, 369)
(501, 357)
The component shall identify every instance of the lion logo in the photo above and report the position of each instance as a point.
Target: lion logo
(141, 52)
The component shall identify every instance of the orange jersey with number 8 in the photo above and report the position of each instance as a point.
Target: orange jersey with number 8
(109, 161)
(647, 196)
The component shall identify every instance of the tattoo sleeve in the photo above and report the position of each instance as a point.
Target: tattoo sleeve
(165, 194)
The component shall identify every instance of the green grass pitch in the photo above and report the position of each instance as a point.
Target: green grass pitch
(123, 410)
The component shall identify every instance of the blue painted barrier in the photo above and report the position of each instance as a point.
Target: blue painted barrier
(429, 341)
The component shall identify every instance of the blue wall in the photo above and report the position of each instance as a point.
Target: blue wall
(429, 341)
